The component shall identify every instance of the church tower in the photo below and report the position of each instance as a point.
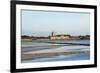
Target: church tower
(52, 34)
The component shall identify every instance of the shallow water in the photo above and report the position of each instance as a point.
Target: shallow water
(42, 43)
(61, 49)
(61, 58)
(33, 44)
(73, 41)
(69, 57)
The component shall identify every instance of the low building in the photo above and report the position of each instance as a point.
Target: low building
(74, 37)
(59, 37)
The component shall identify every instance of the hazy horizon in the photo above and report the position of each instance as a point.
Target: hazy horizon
(42, 23)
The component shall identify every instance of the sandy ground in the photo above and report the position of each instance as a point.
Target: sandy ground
(31, 52)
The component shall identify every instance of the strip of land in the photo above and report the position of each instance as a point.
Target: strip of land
(35, 48)
(65, 43)
(47, 55)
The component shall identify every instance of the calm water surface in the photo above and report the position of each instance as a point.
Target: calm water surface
(59, 49)
(44, 43)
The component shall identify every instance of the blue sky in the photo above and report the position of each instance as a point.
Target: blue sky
(42, 23)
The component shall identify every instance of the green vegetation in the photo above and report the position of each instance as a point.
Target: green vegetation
(84, 37)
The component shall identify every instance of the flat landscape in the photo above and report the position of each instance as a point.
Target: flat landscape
(37, 51)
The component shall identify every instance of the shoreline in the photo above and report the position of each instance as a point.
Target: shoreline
(30, 40)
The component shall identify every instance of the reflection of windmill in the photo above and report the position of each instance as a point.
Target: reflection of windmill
(53, 33)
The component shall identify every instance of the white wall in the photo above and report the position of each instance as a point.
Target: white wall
(5, 37)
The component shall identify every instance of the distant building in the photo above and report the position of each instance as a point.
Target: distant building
(53, 33)
(58, 37)
(74, 37)
(53, 36)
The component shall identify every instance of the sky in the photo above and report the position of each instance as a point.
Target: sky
(42, 23)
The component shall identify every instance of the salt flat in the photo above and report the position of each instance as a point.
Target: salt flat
(60, 49)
